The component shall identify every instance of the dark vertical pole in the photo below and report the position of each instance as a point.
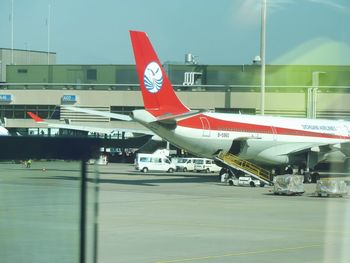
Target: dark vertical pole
(228, 98)
(95, 255)
(82, 211)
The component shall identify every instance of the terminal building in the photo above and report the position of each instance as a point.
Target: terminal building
(315, 91)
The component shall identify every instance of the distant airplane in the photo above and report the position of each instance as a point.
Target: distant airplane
(3, 131)
(273, 142)
(92, 129)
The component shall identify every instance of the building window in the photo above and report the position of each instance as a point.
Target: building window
(20, 111)
(91, 74)
(22, 71)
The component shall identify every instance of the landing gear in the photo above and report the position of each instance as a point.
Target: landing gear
(307, 178)
(315, 177)
(311, 177)
(289, 170)
(347, 164)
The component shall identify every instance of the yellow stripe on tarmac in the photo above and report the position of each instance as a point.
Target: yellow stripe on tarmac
(268, 251)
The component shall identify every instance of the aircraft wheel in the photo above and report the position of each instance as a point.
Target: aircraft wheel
(307, 178)
(315, 177)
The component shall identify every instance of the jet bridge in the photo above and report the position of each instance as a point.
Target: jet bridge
(247, 167)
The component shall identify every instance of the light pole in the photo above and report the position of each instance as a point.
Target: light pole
(12, 29)
(48, 35)
(27, 51)
(262, 54)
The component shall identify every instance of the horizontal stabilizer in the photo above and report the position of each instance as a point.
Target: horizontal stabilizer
(100, 113)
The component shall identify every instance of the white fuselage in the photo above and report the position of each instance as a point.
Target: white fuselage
(265, 139)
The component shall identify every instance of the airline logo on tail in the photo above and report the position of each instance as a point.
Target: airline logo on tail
(158, 94)
(153, 77)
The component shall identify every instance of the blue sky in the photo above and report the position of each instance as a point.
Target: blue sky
(218, 32)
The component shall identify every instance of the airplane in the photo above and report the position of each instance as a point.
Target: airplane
(268, 141)
(4, 131)
(143, 139)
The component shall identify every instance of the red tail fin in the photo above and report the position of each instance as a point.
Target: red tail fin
(158, 94)
(35, 117)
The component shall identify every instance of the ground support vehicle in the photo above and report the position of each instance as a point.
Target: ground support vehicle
(288, 184)
(150, 162)
(240, 181)
(331, 187)
(206, 165)
(186, 164)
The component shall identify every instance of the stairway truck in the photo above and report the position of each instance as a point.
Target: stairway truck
(246, 167)
(288, 184)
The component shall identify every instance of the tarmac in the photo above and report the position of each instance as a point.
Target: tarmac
(163, 218)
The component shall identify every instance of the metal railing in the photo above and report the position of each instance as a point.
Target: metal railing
(244, 165)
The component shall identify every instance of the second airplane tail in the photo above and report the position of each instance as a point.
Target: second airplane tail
(158, 94)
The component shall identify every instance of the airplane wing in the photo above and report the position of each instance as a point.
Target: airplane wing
(109, 131)
(100, 113)
(295, 150)
(165, 119)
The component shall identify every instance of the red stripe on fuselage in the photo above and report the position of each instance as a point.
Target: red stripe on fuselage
(221, 125)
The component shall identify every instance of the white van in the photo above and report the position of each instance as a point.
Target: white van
(206, 165)
(186, 164)
(149, 162)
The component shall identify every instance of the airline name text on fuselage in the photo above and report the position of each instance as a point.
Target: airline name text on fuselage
(318, 127)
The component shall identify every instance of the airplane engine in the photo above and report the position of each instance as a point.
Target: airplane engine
(345, 149)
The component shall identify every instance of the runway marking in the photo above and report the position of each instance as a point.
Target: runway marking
(240, 254)
(291, 229)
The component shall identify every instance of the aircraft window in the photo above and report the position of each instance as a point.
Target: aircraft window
(18, 114)
(126, 76)
(20, 111)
